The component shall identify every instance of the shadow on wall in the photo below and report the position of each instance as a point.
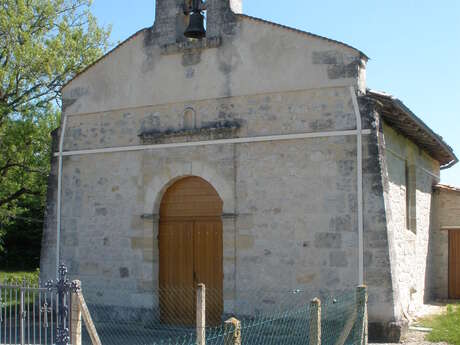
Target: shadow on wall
(430, 269)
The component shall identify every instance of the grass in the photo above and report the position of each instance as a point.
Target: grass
(17, 277)
(446, 327)
(10, 296)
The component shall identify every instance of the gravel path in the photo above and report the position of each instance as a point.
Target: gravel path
(415, 338)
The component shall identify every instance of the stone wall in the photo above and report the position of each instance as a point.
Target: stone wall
(290, 205)
(447, 216)
(255, 115)
(407, 164)
(257, 58)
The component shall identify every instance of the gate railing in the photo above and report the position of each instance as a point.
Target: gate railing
(28, 314)
(39, 315)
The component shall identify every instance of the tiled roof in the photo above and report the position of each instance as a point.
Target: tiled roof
(400, 117)
(447, 187)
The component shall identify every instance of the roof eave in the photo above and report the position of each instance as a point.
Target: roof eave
(435, 136)
(399, 105)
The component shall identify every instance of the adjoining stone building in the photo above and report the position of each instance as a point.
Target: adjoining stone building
(445, 244)
(254, 158)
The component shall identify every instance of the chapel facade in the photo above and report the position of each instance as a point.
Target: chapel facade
(253, 158)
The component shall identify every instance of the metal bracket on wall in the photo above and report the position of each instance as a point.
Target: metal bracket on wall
(153, 216)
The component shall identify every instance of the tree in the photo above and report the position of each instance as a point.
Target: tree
(43, 44)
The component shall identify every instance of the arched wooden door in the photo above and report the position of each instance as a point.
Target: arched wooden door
(190, 242)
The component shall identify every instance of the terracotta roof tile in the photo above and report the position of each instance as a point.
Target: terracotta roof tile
(400, 117)
(447, 187)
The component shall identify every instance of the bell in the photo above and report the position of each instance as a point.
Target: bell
(196, 26)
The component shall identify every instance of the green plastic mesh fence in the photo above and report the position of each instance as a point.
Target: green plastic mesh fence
(340, 320)
(266, 317)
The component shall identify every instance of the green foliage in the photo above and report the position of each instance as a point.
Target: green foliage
(18, 276)
(43, 44)
(446, 327)
(29, 278)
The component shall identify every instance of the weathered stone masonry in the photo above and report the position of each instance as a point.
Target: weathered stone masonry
(290, 206)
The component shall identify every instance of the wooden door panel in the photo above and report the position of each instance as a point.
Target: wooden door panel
(177, 298)
(454, 264)
(190, 241)
(191, 197)
(208, 265)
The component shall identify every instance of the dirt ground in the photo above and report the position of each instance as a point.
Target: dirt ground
(415, 338)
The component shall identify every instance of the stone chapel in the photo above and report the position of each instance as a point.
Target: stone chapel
(253, 157)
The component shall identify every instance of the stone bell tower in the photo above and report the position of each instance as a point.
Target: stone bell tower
(171, 22)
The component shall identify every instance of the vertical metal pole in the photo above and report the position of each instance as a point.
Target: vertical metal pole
(61, 317)
(15, 314)
(59, 194)
(28, 314)
(201, 315)
(315, 322)
(39, 317)
(361, 298)
(52, 317)
(4, 315)
(11, 316)
(22, 317)
(359, 182)
(1, 312)
(34, 317)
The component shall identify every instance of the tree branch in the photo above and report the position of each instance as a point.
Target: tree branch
(16, 195)
(4, 169)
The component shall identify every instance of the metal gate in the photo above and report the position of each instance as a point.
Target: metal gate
(34, 314)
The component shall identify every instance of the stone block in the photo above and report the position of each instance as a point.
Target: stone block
(245, 242)
(145, 286)
(387, 332)
(338, 259)
(124, 272)
(149, 255)
(341, 223)
(328, 240)
(141, 242)
(307, 278)
(89, 268)
(137, 223)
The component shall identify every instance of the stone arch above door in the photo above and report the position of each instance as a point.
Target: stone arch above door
(155, 188)
(191, 197)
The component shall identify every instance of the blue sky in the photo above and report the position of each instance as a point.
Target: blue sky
(414, 46)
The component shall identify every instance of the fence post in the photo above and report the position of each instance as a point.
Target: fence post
(315, 322)
(75, 317)
(95, 340)
(22, 314)
(232, 332)
(361, 298)
(201, 315)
